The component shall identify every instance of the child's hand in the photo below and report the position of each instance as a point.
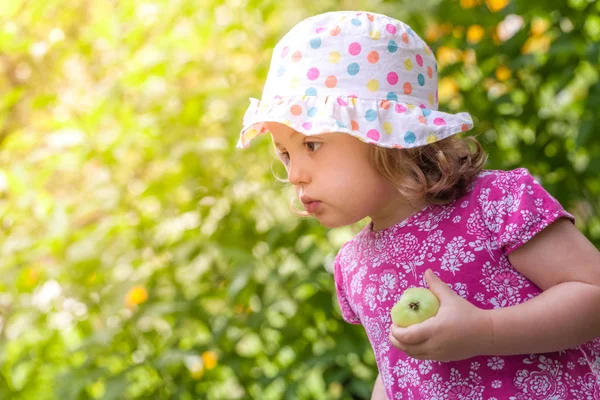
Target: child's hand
(459, 330)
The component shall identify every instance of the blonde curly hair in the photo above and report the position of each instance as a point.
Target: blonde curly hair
(438, 173)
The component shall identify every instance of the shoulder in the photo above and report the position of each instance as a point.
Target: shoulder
(502, 181)
(505, 186)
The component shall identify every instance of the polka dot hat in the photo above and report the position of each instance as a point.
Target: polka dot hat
(361, 73)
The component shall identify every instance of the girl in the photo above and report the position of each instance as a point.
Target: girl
(351, 104)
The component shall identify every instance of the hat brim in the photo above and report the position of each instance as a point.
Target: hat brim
(385, 123)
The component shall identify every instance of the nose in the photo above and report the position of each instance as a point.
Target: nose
(298, 172)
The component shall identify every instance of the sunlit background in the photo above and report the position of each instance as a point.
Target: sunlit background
(143, 257)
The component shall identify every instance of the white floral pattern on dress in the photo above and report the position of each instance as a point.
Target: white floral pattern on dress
(466, 243)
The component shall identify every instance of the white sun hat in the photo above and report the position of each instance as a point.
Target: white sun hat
(360, 73)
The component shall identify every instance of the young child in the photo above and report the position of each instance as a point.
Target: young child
(351, 104)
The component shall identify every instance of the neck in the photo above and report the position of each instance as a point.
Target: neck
(394, 213)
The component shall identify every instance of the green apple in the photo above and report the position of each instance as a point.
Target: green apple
(415, 305)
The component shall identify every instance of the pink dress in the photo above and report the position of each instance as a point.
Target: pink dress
(466, 243)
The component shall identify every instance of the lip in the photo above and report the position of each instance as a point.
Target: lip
(311, 205)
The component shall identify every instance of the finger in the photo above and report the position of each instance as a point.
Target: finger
(437, 286)
(396, 343)
(412, 335)
(414, 351)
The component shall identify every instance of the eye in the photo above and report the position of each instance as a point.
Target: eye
(284, 157)
(312, 146)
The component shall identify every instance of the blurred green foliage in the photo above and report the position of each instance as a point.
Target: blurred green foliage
(143, 257)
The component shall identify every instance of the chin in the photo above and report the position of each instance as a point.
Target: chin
(334, 224)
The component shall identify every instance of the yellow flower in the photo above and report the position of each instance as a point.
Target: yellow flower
(210, 359)
(448, 55)
(469, 3)
(136, 295)
(496, 5)
(447, 89)
(32, 277)
(536, 44)
(433, 32)
(539, 26)
(503, 73)
(475, 34)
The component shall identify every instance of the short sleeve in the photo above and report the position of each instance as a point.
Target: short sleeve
(516, 208)
(347, 313)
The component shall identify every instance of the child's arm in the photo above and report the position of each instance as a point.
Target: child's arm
(378, 390)
(562, 262)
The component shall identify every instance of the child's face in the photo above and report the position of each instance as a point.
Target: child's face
(334, 169)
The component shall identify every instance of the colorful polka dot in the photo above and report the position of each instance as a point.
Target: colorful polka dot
(391, 96)
(422, 119)
(391, 29)
(334, 57)
(373, 85)
(385, 104)
(426, 112)
(281, 71)
(313, 74)
(439, 121)
(354, 48)
(464, 127)
(371, 115)
(408, 65)
(307, 125)
(373, 134)
(331, 81)
(340, 124)
(296, 110)
(419, 60)
(312, 111)
(373, 57)
(356, 22)
(392, 78)
(400, 108)
(405, 38)
(311, 91)
(370, 17)
(392, 46)
(375, 35)
(431, 99)
(429, 72)
(354, 125)
(315, 43)
(431, 139)
(353, 69)
(388, 127)
(294, 82)
(335, 31)
(341, 102)
(407, 88)
(409, 137)
(297, 57)
(284, 51)
(421, 79)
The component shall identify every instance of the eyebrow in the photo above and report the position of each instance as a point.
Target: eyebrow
(294, 133)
